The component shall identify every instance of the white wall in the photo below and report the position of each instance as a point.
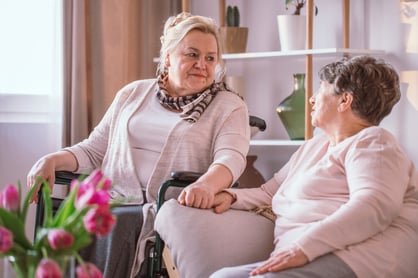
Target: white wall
(21, 144)
(379, 24)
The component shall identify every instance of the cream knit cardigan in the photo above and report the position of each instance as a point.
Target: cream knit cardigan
(220, 136)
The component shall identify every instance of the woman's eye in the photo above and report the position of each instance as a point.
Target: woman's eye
(210, 58)
(192, 55)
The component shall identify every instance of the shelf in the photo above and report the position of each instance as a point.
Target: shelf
(303, 52)
(276, 142)
(322, 51)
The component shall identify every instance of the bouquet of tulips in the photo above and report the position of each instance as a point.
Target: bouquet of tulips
(86, 211)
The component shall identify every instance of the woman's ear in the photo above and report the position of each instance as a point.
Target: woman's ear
(167, 61)
(346, 99)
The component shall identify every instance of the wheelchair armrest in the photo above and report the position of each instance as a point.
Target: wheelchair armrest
(65, 177)
(258, 122)
(186, 176)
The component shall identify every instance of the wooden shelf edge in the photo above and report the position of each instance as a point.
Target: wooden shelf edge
(321, 51)
(276, 142)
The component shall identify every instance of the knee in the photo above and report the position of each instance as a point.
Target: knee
(226, 272)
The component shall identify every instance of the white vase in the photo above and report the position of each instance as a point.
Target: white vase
(292, 32)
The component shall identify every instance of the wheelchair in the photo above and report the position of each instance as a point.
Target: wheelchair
(154, 266)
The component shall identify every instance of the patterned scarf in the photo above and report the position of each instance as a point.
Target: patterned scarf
(191, 106)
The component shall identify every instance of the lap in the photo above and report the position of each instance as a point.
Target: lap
(323, 267)
(194, 236)
(114, 253)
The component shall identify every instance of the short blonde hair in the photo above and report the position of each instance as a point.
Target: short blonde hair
(177, 27)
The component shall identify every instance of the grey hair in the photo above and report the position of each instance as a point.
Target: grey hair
(177, 27)
(373, 83)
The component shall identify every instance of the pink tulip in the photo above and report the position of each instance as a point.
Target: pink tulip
(88, 195)
(59, 239)
(99, 220)
(94, 178)
(98, 180)
(88, 270)
(9, 198)
(48, 268)
(6, 240)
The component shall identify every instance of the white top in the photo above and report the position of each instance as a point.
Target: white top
(148, 129)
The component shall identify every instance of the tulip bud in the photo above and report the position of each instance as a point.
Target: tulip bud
(88, 270)
(94, 178)
(48, 268)
(59, 239)
(91, 196)
(98, 180)
(6, 240)
(99, 220)
(9, 198)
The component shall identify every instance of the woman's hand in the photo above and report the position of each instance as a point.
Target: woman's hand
(284, 258)
(223, 201)
(44, 169)
(201, 194)
(197, 195)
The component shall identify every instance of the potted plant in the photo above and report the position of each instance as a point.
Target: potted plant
(234, 37)
(292, 28)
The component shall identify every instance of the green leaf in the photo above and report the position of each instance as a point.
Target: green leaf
(82, 240)
(31, 192)
(287, 3)
(41, 234)
(16, 226)
(76, 218)
(46, 196)
(65, 210)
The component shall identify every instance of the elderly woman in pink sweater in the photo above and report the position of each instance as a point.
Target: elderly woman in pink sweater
(347, 201)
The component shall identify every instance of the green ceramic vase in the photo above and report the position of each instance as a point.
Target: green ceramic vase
(292, 109)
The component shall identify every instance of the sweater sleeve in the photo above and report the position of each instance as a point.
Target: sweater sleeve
(91, 151)
(232, 143)
(377, 177)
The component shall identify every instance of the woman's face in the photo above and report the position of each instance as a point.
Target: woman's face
(324, 105)
(191, 66)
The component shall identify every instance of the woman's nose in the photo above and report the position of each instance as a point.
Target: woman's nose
(312, 100)
(201, 63)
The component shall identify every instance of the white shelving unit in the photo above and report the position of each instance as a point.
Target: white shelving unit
(308, 53)
(323, 52)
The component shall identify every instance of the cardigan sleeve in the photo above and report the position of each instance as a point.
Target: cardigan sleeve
(232, 143)
(91, 151)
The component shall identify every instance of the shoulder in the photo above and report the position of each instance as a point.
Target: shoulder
(229, 100)
(138, 85)
(376, 144)
(136, 89)
(375, 135)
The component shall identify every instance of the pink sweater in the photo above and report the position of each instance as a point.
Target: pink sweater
(358, 199)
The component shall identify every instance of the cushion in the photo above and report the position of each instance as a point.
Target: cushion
(202, 241)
